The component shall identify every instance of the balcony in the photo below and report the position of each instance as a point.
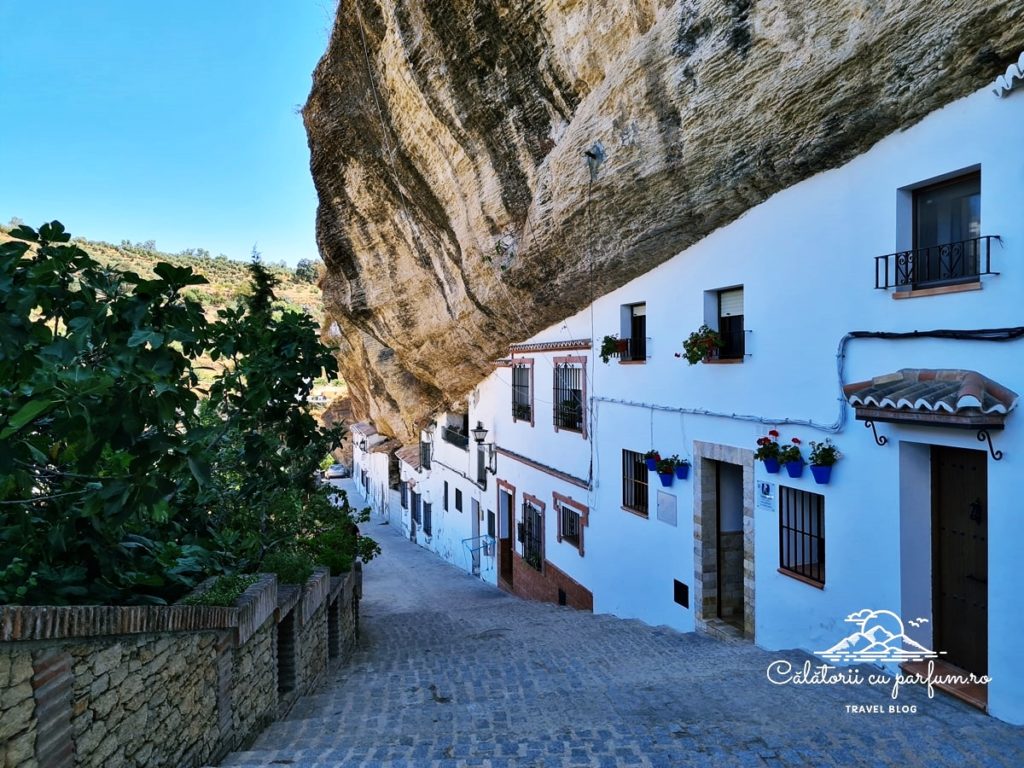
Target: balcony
(936, 266)
(454, 437)
(634, 350)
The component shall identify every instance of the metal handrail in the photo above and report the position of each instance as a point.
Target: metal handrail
(937, 264)
(489, 541)
(455, 438)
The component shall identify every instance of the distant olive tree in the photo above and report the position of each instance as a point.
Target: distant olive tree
(306, 270)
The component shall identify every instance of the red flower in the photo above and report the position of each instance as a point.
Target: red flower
(774, 433)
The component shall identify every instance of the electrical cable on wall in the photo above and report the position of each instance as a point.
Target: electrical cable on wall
(989, 334)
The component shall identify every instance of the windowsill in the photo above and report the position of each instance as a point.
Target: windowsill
(938, 290)
(632, 362)
(801, 577)
(637, 512)
(569, 429)
(730, 361)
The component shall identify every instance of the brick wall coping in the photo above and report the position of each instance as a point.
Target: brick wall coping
(314, 594)
(55, 622)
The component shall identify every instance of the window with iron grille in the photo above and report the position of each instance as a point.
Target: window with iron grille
(444, 499)
(424, 454)
(522, 398)
(404, 490)
(533, 535)
(730, 324)
(634, 482)
(568, 402)
(458, 500)
(415, 506)
(568, 524)
(490, 523)
(426, 517)
(802, 534)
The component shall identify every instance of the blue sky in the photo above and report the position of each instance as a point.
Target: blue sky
(170, 121)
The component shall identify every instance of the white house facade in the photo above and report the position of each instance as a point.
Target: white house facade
(879, 305)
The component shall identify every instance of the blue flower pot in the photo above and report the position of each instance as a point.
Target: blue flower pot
(771, 466)
(795, 468)
(666, 478)
(682, 471)
(822, 474)
(652, 463)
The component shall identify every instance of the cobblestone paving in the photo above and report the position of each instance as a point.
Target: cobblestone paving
(451, 672)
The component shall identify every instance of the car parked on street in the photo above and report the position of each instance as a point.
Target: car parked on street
(336, 471)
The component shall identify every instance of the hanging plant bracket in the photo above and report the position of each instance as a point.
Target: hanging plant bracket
(983, 437)
(879, 440)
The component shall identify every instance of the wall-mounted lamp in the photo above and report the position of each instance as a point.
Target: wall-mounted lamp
(480, 434)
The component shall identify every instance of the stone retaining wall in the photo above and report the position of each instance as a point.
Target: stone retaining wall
(162, 686)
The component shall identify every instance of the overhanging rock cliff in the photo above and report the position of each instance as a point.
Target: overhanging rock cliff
(459, 212)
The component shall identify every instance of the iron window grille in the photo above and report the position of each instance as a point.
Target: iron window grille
(444, 498)
(533, 536)
(569, 524)
(522, 408)
(426, 518)
(424, 455)
(416, 507)
(802, 534)
(404, 497)
(454, 437)
(568, 401)
(458, 500)
(634, 482)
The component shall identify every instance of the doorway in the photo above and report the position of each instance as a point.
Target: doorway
(729, 514)
(474, 508)
(506, 525)
(723, 524)
(960, 556)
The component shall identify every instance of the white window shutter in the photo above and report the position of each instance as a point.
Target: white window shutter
(731, 302)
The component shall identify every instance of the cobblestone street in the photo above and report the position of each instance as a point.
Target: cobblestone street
(452, 672)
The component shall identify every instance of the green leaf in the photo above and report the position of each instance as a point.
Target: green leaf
(54, 233)
(139, 338)
(24, 233)
(25, 414)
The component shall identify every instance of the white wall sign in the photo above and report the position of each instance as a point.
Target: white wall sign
(766, 495)
(667, 512)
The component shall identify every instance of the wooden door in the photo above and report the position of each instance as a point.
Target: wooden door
(960, 556)
(506, 526)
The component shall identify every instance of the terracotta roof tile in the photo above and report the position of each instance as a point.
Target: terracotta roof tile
(935, 391)
(364, 429)
(410, 454)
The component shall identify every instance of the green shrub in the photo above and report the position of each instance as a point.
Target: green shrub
(292, 566)
(223, 592)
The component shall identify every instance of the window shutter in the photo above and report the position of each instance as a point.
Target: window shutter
(730, 303)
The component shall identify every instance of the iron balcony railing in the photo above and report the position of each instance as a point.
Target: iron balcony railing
(937, 264)
(454, 437)
(636, 349)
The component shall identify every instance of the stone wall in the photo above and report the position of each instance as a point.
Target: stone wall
(161, 686)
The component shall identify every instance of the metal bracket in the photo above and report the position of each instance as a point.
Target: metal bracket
(984, 436)
(878, 440)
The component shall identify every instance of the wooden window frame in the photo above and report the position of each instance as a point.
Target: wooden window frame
(527, 363)
(571, 360)
(582, 511)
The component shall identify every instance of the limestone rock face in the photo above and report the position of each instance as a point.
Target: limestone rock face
(458, 211)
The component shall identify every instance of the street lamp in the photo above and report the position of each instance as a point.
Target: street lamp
(480, 434)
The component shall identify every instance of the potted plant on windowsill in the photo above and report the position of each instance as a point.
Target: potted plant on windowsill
(652, 457)
(666, 469)
(823, 458)
(613, 346)
(791, 458)
(680, 466)
(701, 345)
(768, 452)
(521, 411)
